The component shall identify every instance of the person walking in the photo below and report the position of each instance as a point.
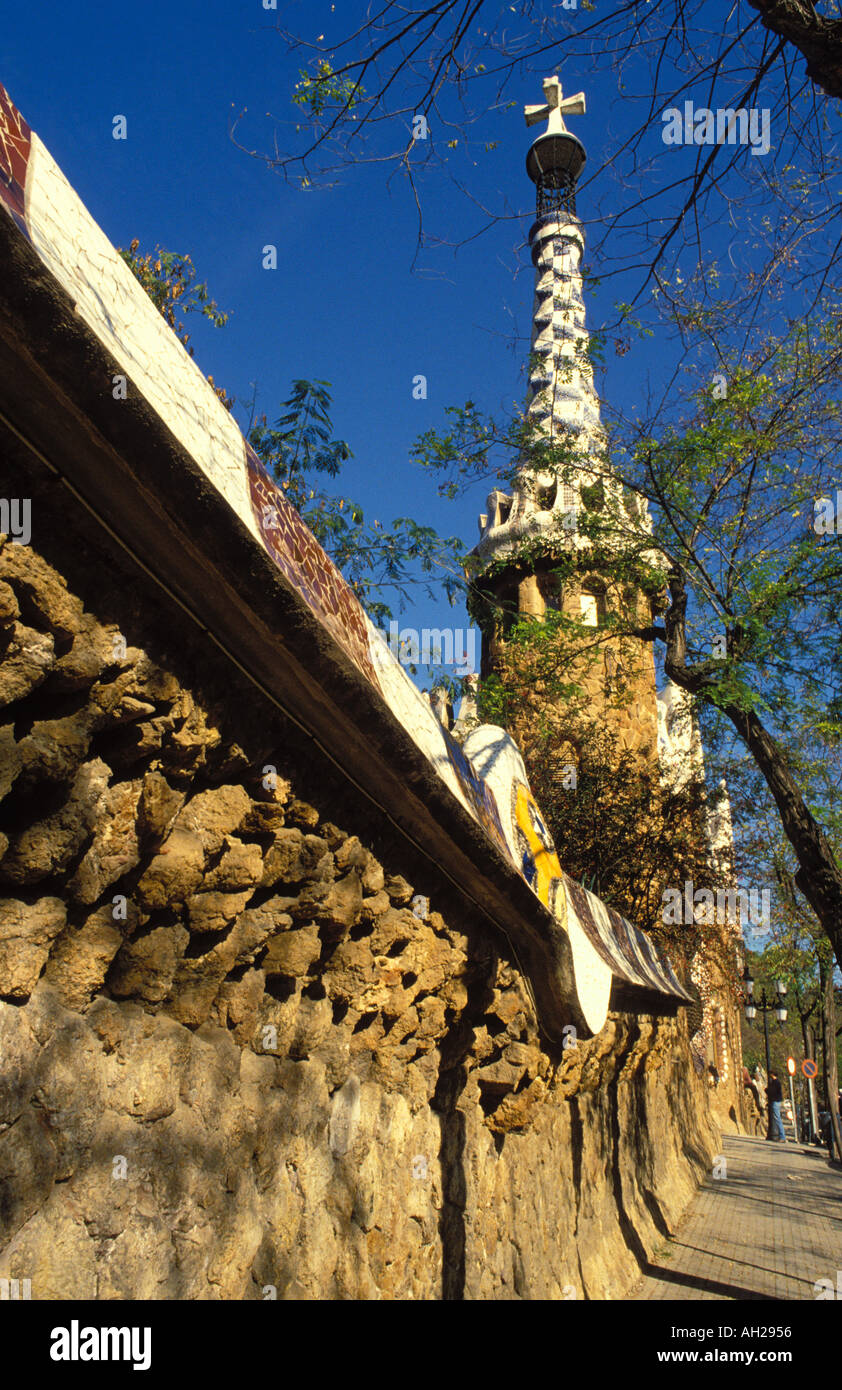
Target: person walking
(754, 1106)
(775, 1095)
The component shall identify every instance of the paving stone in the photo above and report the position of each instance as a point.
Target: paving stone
(769, 1230)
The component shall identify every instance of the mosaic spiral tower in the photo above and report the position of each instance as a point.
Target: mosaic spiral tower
(528, 536)
(561, 392)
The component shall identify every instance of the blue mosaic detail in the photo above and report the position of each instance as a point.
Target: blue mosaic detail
(528, 868)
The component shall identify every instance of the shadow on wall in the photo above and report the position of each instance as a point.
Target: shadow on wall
(454, 1066)
(247, 909)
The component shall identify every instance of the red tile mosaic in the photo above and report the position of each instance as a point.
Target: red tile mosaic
(15, 144)
(301, 559)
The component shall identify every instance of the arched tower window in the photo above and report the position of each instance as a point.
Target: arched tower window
(551, 590)
(507, 613)
(499, 507)
(546, 497)
(592, 605)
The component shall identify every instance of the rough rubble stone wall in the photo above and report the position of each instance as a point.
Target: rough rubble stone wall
(234, 1059)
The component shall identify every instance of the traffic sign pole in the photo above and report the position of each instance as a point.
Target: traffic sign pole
(790, 1067)
(795, 1123)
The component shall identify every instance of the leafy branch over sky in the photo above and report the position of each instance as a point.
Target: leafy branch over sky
(374, 558)
(384, 564)
(770, 221)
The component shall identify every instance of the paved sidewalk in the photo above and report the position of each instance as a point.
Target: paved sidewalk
(768, 1230)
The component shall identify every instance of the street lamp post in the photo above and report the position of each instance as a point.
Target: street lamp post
(765, 1006)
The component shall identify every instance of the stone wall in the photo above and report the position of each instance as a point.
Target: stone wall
(252, 1040)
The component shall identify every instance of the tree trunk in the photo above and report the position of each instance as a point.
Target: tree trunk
(818, 37)
(819, 876)
(810, 1052)
(805, 1085)
(805, 1033)
(831, 1070)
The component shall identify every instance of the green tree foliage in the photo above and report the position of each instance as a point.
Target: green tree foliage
(708, 509)
(785, 1039)
(169, 278)
(322, 91)
(799, 952)
(793, 960)
(380, 562)
(374, 558)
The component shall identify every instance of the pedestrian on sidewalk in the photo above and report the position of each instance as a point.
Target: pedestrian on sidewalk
(775, 1095)
(754, 1105)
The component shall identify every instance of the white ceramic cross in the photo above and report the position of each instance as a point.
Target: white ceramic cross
(554, 106)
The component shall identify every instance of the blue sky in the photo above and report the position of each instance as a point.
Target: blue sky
(345, 304)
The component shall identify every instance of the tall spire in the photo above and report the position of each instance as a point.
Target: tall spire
(537, 553)
(561, 395)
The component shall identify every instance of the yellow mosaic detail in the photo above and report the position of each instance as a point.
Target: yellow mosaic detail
(539, 852)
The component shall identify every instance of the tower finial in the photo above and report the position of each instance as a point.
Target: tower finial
(553, 108)
(556, 156)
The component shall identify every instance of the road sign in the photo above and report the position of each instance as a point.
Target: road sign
(809, 1068)
(790, 1065)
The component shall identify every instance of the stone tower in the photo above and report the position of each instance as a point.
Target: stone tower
(532, 554)
(537, 553)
